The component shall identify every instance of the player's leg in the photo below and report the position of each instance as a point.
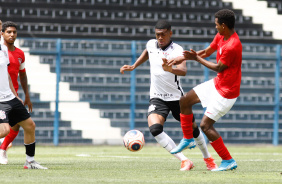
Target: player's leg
(201, 144)
(198, 137)
(5, 109)
(21, 115)
(7, 142)
(156, 122)
(158, 112)
(28, 126)
(186, 119)
(216, 109)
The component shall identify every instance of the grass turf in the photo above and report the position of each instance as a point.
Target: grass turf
(115, 164)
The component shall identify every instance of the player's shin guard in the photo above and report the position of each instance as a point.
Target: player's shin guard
(221, 149)
(186, 125)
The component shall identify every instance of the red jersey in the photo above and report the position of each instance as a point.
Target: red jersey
(17, 59)
(229, 52)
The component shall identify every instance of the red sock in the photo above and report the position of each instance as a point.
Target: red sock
(221, 149)
(8, 139)
(186, 125)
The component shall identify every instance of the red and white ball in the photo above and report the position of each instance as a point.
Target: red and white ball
(134, 140)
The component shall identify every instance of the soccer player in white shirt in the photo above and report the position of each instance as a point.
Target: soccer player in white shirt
(165, 91)
(12, 111)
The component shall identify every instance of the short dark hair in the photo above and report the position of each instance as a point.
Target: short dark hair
(163, 24)
(7, 24)
(227, 17)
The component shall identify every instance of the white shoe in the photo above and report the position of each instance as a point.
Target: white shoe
(3, 157)
(33, 165)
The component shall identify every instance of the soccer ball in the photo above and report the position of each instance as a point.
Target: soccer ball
(133, 140)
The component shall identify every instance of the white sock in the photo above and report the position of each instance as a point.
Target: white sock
(201, 143)
(29, 159)
(166, 142)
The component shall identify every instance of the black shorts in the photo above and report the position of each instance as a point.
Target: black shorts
(13, 112)
(158, 106)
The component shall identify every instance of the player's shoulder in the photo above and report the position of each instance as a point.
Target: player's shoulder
(19, 50)
(152, 43)
(176, 46)
(3, 47)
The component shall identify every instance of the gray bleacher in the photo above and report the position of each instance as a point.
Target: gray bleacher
(44, 120)
(193, 20)
(274, 4)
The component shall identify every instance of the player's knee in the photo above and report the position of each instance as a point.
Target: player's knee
(156, 129)
(5, 129)
(184, 102)
(204, 127)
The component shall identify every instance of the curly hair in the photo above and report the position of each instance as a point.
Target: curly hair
(163, 24)
(7, 24)
(227, 17)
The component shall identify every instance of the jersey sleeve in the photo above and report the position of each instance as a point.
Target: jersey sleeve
(150, 44)
(178, 51)
(22, 62)
(215, 41)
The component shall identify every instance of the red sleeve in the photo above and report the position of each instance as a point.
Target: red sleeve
(215, 41)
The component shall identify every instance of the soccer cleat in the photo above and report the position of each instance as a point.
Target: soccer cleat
(186, 165)
(226, 165)
(210, 163)
(3, 157)
(33, 165)
(184, 144)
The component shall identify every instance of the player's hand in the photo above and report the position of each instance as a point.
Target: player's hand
(190, 55)
(176, 61)
(28, 103)
(126, 68)
(165, 65)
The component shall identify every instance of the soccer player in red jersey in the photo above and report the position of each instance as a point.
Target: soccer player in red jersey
(15, 69)
(219, 94)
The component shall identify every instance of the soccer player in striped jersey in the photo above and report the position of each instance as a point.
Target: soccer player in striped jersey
(166, 90)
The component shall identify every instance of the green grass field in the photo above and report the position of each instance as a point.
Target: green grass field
(115, 164)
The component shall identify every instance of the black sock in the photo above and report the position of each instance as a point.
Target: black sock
(196, 132)
(30, 149)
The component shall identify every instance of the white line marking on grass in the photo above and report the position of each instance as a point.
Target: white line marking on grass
(118, 156)
(260, 160)
(83, 155)
(258, 153)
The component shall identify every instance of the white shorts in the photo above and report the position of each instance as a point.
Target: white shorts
(216, 105)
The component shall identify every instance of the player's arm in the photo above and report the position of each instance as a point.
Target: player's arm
(180, 69)
(24, 84)
(206, 52)
(217, 67)
(142, 58)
